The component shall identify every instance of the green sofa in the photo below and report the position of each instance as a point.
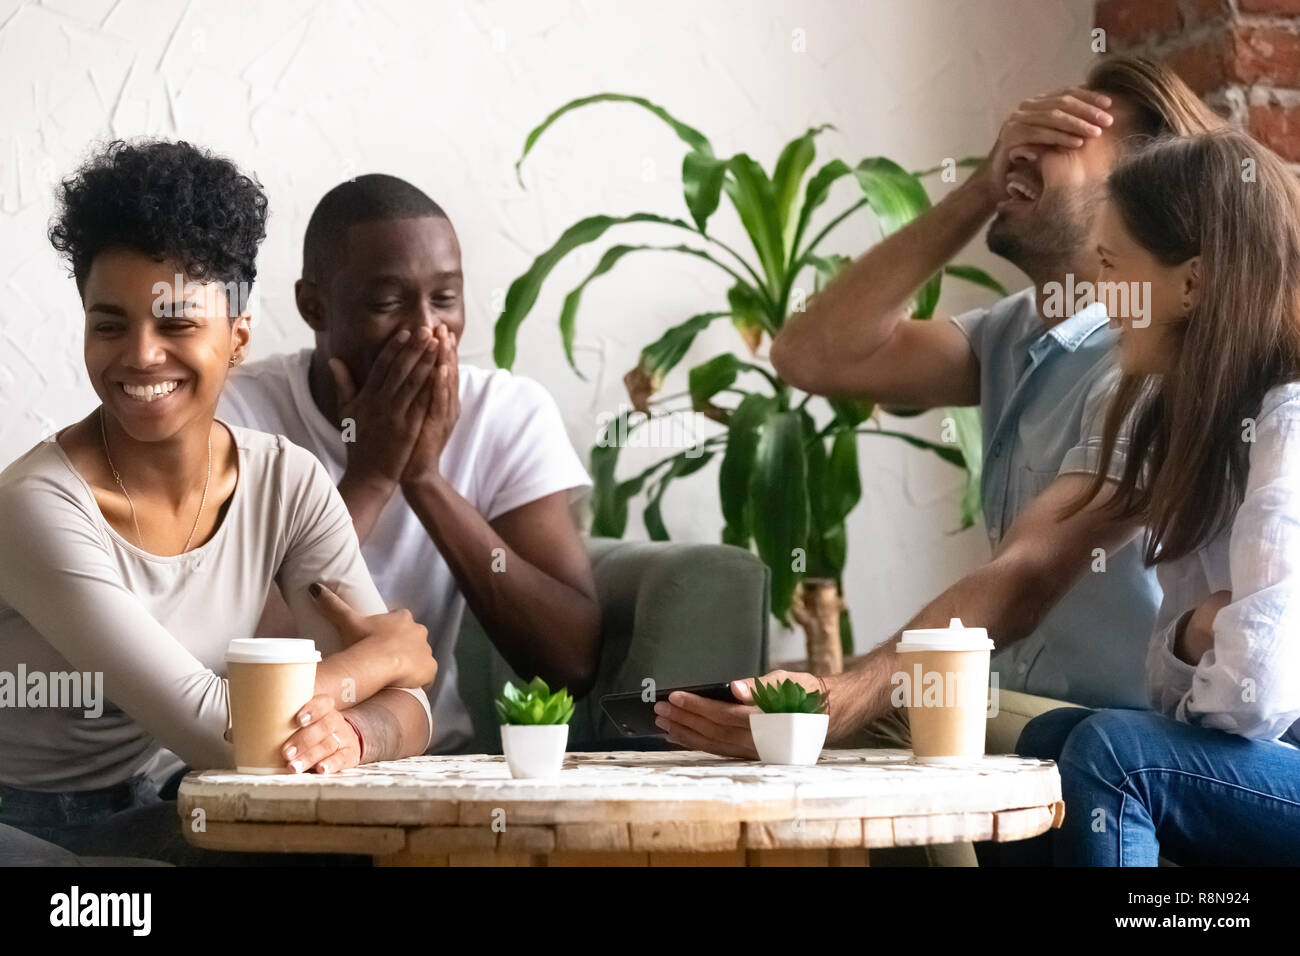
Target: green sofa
(674, 612)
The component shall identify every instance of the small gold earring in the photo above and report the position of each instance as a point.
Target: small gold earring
(231, 363)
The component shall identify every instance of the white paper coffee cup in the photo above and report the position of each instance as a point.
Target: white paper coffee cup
(270, 679)
(944, 676)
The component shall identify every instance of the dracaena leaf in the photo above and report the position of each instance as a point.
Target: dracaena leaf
(609, 497)
(738, 465)
(687, 463)
(702, 178)
(895, 195)
(851, 411)
(978, 276)
(827, 268)
(663, 355)
(687, 134)
(843, 486)
(968, 434)
(750, 191)
(815, 457)
(949, 453)
(791, 166)
(748, 314)
(819, 187)
(711, 377)
(523, 292)
(610, 258)
(778, 495)
(834, 550)
(927, 297)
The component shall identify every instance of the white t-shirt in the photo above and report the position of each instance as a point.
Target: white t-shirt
(508, 448)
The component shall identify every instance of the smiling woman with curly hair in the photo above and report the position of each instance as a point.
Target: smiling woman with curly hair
(151, 532)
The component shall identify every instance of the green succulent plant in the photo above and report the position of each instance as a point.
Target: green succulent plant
(533, 704)
(787, 697)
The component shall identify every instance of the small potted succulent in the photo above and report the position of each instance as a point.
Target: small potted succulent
(534, 728)
(792, 726)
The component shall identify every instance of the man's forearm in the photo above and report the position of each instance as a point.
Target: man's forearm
(1041, 556)
(860, 694)
(523, 609)
(999, 596)
(856, 313)
(392, 725)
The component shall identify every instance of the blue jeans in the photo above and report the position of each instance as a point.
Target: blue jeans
(1138, 785)
(67, 818)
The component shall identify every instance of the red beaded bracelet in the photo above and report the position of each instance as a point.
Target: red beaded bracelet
(361, 744)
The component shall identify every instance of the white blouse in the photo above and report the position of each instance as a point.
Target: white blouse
(1248, 683)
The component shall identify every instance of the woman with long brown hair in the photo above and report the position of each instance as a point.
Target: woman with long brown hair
(1204, 233)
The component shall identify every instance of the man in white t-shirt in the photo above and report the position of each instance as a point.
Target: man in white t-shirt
(459, 480)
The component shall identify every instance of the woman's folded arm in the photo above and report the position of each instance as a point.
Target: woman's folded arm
(1249, 682)
(322, 548)
(64, 583)
(395, 723)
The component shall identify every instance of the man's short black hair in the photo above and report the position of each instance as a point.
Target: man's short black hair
(370, 198)
(162, 199)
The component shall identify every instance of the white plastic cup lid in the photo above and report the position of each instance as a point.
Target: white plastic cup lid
(955, 637)
(272, 650)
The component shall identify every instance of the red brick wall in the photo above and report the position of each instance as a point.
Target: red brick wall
(1242, 56)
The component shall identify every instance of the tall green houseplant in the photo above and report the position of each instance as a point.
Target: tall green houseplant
(787, 483)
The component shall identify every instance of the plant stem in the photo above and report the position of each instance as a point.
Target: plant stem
(777, 384)
(758, 282)
(829, 226)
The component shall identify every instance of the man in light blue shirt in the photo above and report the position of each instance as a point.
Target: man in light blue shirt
(1066, 600)
(1042, 393)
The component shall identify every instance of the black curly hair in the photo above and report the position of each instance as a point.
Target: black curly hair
(163, 199)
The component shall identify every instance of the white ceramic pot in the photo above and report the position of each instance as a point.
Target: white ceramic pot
(534, 751)
(794, 739)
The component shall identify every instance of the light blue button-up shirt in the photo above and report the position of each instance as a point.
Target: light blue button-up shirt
(1043, 394)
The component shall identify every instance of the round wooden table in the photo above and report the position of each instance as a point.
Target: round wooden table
(624, 808)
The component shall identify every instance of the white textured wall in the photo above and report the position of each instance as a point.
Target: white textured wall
(307, 94)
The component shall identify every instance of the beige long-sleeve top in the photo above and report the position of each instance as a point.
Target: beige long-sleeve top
(75, 596)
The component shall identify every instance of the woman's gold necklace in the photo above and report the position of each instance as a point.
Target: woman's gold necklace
(118, 478)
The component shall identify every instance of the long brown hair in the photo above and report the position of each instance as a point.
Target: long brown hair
(1228, 199)
(1164, 103)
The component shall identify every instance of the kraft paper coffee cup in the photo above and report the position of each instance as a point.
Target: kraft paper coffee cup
(270, 679)
(944, 676)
